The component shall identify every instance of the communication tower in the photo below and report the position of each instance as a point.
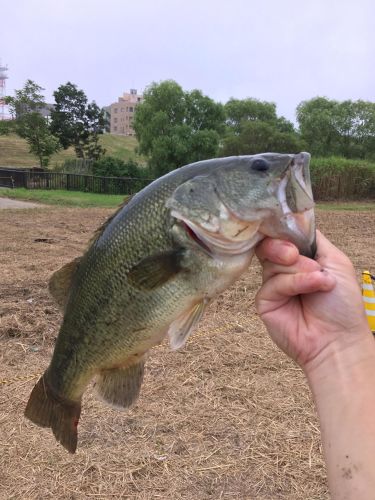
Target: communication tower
(3, 78)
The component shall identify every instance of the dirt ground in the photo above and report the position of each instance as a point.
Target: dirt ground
(229, 416)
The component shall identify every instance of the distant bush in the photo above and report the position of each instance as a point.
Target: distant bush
(108, 166)
(337, 178)
(74, 166)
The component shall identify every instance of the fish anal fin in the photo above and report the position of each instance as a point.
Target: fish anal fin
(46, 409)
(182, 327)
(60, 282)
(120, 387)
(152, 272)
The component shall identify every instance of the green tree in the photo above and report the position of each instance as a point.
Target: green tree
(239, 111)
(174, 127)
(6, 127)
(316, 119)
(76, 122)
(29, 123)
(345, 128)
(254, 127)
(258, 137)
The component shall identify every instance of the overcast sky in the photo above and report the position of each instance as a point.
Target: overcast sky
(282, 51)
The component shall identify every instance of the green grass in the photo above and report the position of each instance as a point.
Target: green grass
(120, 146)
(64, 198)
(14, 151)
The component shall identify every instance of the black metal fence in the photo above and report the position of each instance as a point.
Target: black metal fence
(35, 179)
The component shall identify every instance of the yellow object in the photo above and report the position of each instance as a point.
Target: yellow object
(368, 294)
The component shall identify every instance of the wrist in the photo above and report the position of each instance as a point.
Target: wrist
(342, 364)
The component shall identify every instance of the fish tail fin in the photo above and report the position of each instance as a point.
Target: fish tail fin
(120, 387)
(46, 409)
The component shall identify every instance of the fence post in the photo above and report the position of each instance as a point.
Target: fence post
(67, 182)
(25, 178)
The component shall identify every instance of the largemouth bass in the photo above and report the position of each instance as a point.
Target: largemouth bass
(155, 265)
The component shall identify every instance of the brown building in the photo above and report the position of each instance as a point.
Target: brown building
(122, 113)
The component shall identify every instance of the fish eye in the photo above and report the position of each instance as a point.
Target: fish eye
(260, 165)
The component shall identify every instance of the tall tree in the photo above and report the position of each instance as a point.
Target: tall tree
(316, 119)
(345, 128)
(254, 127)
(175, 127)
(259, 137)
(25, 107)
(76, 122)
(239, 111)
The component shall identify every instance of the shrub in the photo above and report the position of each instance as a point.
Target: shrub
(337, 178)
(108, 166)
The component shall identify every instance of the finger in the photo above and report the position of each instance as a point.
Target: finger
(327, 252)
(279, 289)
(302, 265)
(277, 251)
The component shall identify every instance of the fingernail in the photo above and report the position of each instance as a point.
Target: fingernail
(287, 244)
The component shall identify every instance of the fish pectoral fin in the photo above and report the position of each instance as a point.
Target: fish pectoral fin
(181, 328)
(120, 387)
(60, 283)
(152, 272)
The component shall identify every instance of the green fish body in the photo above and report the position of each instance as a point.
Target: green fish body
(153, 268)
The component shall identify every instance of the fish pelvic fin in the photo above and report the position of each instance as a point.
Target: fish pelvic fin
(46, 409)
(120, 387)
(180, 330)
(61, 281)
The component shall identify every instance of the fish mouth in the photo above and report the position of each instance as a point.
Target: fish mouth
(291, 219)
(217, 243)
(297, 220)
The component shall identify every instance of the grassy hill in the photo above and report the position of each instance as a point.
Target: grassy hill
(14, 151)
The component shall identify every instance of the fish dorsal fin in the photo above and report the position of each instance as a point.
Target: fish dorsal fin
(106, 223)
(181, 328)
(60, 283)
(152, 272)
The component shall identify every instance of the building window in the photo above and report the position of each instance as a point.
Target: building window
(131, 109)
(138, 99)
(115, 129)
(115, 119)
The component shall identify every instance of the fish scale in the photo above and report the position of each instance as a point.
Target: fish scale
(153, 268)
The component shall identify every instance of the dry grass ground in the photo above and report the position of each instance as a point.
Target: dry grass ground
(229, 416)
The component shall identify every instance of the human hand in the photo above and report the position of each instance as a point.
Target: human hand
(311, 308)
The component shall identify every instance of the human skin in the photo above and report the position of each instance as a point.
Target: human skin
(313, 310)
